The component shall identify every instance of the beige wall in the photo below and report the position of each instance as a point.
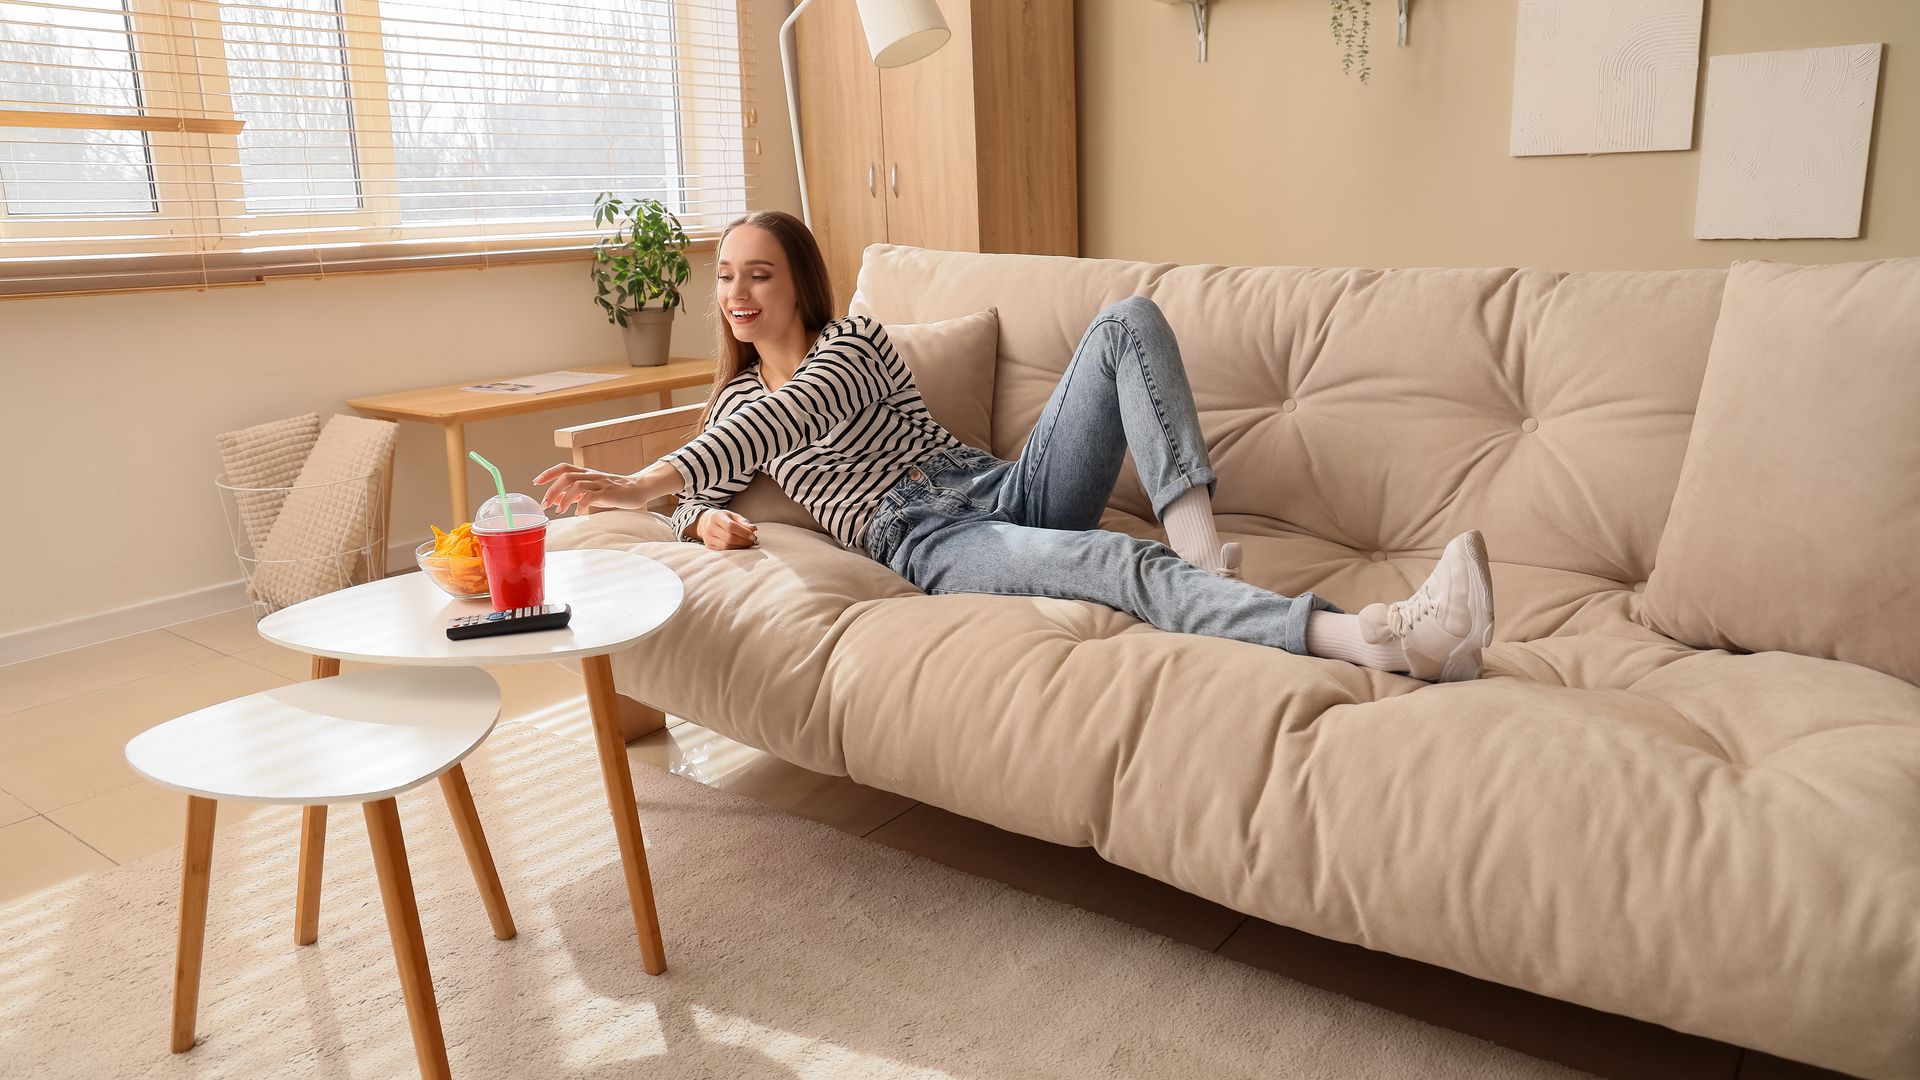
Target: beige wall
(109, 405)
(1267, 154)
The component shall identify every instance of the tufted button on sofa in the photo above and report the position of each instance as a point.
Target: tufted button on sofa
(1717, 831)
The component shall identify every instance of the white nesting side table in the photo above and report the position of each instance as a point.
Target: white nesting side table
(362, 738)
(617, 597)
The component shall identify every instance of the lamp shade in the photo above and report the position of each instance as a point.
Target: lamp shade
(902, 31)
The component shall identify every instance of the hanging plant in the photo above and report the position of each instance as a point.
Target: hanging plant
(1350, 23)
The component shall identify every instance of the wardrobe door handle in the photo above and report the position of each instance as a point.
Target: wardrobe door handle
(870, 171)
(893, 178)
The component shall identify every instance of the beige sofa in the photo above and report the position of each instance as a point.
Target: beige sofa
(1719, 833)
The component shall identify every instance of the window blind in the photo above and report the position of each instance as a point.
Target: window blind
(170, 143)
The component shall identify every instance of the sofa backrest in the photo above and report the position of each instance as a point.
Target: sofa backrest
(1379, 410)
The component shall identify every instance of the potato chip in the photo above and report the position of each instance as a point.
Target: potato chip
(460, 542)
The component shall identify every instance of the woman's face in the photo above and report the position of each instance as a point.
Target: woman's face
(753, 287)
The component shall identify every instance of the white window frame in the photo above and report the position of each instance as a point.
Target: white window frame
(204, 211)
(172, 223)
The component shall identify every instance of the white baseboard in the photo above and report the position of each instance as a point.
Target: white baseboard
(151, 614)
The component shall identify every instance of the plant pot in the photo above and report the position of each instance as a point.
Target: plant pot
(647, 335)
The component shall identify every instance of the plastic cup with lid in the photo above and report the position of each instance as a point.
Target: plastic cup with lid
(515, 555)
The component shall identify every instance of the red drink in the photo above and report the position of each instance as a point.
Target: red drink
(516, 563)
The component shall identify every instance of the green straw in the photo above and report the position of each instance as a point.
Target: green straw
(498, 484)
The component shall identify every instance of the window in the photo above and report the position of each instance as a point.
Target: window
(79, 172)
(190, 143)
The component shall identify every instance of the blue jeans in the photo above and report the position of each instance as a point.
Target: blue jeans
(964, 521)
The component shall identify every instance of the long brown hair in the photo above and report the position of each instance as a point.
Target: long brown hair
(813, 291)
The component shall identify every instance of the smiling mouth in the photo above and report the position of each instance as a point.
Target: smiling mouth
(741, 317)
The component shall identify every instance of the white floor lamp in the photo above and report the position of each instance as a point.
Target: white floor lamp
(898, 33)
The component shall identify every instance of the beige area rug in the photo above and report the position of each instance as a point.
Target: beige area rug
(793, 950)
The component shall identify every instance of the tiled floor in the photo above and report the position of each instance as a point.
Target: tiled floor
(69, 806)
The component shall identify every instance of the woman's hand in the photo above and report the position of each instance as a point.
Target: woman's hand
(583, 487)
(723, 529)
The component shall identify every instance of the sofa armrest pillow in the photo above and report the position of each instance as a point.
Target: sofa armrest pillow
(1794, 520)
(952, 361)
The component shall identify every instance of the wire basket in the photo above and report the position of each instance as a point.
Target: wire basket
(302, 540)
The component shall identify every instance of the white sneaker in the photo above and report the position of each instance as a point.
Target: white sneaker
(1229, 561)
(1445, 624)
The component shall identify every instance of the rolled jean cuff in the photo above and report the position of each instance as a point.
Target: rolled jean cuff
(1198, 477)
(1303, 608)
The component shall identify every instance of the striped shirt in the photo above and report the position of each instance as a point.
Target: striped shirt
(835, 437)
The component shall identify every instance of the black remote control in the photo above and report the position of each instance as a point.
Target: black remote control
(515, 621)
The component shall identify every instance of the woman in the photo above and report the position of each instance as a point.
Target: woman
(831, 412)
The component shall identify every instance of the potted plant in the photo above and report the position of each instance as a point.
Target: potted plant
(638, 270)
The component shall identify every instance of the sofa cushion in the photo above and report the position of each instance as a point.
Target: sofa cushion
(952, 361)
(1794, 522)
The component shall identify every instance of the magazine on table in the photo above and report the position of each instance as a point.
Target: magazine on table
(545, 383)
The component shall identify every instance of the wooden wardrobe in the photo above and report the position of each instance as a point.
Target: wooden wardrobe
(970, 149)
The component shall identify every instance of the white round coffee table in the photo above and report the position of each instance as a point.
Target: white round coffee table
(618, 598)
(361, 738)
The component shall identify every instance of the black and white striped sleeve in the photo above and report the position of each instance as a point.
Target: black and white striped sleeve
(716, 496)
(851, 368)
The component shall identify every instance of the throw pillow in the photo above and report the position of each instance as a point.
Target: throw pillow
(762, 501)
(333, 518)
(259, 462)
(1794, 518)
(953, 364)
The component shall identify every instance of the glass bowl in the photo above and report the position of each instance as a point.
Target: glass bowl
(462, 577)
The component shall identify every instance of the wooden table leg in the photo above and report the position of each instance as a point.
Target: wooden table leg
(466, 821)
(195, 867)
(409, 947)
(457, 473)
(603, 703)
(306, 897)
(313, 844)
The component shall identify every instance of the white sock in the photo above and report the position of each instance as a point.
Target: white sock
(1337, 637)
(1189, 522)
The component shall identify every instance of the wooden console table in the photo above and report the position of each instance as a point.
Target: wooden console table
(453, 408)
